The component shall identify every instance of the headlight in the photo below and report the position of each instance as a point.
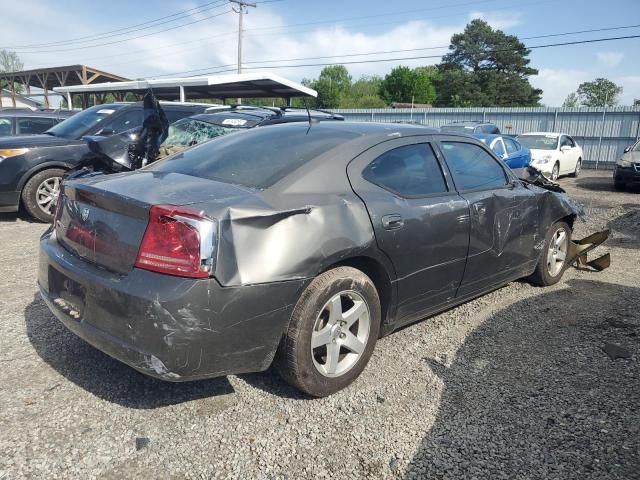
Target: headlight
(545, 159)
(11, 152)
(623, 163)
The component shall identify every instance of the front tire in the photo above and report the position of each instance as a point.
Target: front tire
(618, 185)
(555, 173)
(576, 172)
(553, 261)
(333, 331)
(40, 192)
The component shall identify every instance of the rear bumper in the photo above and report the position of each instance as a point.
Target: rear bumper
(167, 327)
(9, 201)
(626, 175)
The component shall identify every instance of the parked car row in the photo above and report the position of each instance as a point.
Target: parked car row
(554, 154)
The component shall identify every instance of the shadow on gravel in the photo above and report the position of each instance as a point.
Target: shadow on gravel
(103, 376)
(601, 184)
(532, 394)
(626, 229)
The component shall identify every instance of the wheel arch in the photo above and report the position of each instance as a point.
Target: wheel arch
(381, 278)
(39, 168)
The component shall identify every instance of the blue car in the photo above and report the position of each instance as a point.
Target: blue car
(508, 149)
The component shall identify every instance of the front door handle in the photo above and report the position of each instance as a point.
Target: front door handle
(392, 221)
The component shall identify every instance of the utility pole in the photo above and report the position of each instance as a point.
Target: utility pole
(242, 9)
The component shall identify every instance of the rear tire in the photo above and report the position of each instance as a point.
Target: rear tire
(333, 331)
(553, 261)
(576, 172)
(40, 192)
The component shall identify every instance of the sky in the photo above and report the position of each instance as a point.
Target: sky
(45, 34)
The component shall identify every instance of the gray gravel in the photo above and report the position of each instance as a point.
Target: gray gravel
(518, 384)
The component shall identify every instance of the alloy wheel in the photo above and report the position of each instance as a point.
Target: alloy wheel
(340, 333)
(47, 193)
(557, 252)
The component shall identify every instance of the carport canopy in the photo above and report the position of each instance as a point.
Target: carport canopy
(247, 85)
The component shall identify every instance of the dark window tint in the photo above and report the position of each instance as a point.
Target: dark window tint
(5, 127)
(257, 157)
(498, 148)
(493, 130)
(512, 145)
(34, 125)
(410, 171)
(472, 167)
(126, 121)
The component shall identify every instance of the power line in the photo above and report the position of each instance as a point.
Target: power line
(132, 38)
(124, 30)
(388, 52)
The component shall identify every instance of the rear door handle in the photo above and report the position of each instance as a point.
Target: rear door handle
(392, 221)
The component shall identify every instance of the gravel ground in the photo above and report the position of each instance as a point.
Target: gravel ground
(516, 384)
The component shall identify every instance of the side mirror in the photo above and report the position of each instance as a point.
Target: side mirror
(106, 132)
(565, 148)
(627, 149)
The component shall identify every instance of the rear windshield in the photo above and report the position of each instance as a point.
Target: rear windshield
(457, 129)
(255, 158)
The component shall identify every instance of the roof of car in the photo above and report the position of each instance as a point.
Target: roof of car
(546, 134)
(19, 112)
(256, 115)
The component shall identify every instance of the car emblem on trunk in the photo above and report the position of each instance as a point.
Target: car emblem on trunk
(85, 214)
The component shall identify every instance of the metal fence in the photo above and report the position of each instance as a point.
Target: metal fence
(603, 134)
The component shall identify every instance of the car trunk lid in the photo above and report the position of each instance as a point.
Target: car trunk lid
(103, 219)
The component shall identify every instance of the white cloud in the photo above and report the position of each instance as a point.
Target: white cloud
(558, 83)
(497, 19)
(610, 59)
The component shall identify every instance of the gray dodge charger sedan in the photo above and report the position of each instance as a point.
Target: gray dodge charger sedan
(296, 245)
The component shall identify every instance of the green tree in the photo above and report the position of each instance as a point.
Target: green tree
(486, 67)
(571, 101)
(364, 94)
(599, 93)
(10, 62)
(404, 84)
(332, 85)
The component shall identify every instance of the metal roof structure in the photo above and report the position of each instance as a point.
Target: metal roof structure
(49, 79)
(248, 85)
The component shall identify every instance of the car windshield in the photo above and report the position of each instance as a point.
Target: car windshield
(188, 132)
(80, 123)
(539, 142)
(636, 147)
(256, 158)
(457, 128)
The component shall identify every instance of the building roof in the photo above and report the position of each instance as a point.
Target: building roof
(245, 85)
(60, 76)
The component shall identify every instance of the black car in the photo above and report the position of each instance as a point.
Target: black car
(200, 128)
(24, 121)
(627, 169)
(297, 244)
(31, 167)
(470, 128)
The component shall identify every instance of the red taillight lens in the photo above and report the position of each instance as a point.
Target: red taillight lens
(178, 241)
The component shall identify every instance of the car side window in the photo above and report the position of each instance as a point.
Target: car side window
(5, 127)
(34, 125)
(570, 142)
(472, 167)
(409, 171)
(175, 115)
(512, 145)
(498, 148)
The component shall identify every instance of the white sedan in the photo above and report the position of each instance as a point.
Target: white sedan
(554, 154)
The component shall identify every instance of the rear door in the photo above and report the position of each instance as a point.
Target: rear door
(503, 216)
(419, 221)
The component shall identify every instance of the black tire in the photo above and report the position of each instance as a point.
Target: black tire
(542, 276)
(295, 361)
(29, 193)
(576, 172)
(556, 168)
(618, 185)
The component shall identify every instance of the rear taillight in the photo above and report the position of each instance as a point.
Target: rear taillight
(178, 241)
